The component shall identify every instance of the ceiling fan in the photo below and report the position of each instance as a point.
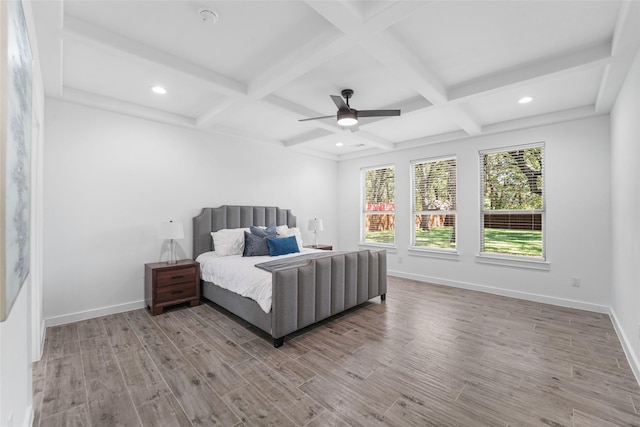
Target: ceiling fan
(348, 116)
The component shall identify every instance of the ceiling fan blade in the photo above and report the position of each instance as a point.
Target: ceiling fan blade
(339, 102)
(378, 113)
(318, 118)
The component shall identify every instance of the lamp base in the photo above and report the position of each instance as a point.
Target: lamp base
(172, 253)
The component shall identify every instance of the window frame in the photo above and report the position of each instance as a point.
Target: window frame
(364, 211)
(413, 248)
(524, 261)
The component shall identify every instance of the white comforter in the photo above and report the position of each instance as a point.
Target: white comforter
(239, 274)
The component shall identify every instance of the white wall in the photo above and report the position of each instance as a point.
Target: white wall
(111, 179)
(578, 220)
(625, 177)
(17, 349)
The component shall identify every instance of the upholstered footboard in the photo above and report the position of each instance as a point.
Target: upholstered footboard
(326, 286)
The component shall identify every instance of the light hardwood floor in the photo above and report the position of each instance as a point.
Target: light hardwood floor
(427, 356)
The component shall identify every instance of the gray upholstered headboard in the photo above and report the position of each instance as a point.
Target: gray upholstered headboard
(214, 219)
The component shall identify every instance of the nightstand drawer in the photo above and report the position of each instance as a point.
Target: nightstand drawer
(176, 292)
(173, 277)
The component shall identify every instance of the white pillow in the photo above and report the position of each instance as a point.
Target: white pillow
(229, 241)
(282, 230)
(293, 231)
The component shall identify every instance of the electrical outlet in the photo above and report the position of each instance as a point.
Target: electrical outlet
(575, 282)
(399, 260)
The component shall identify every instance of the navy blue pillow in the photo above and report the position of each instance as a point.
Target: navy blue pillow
(255, 245)
(270, 231)
(282, 245)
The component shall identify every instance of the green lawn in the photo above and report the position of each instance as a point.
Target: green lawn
(512, 242)
(439, 237)
(386, 236)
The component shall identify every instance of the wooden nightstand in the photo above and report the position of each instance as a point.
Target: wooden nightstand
(321, 247)
(169, 284)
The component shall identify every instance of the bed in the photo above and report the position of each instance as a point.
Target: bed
(300, 295)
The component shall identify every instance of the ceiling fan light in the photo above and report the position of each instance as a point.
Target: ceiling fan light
(347, 118)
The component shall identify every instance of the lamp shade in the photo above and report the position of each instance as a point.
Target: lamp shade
(171, 230)
(315, 224)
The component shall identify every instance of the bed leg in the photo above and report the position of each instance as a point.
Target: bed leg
(277, 342)
(383, 297)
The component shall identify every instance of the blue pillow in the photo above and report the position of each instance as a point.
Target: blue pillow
(254, 245)
(270, 231)
(282, 245)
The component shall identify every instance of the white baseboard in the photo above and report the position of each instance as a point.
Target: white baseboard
(90, 314)
(504, 292)
(632, 357)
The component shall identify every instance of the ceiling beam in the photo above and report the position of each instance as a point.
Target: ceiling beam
(301, 61)
(541, 119)
(120, 45)
(224, 109)
(94, 100)
(395, 56)
(506, 126)
(624, 48)
(50, 17)
(533, 72)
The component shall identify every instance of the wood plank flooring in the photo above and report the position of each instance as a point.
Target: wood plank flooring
(427, 356)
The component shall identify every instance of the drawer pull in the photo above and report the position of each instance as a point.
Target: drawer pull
(177, 277)
(176, 292)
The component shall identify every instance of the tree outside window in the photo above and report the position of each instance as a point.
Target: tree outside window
(434, 203)
(513, 208)
(378, 204)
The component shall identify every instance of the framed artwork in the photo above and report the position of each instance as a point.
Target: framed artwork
(15, 152)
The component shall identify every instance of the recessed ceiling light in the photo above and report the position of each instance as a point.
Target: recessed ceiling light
(525, 100)
(339, 144)
(159, 90)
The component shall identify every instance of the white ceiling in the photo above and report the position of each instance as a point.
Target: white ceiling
(454, 68)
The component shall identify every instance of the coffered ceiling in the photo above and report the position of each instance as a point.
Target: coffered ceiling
(454, 68)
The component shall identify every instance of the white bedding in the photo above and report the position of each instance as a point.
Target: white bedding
(239, 274)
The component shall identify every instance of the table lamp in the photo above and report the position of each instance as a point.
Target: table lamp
(315, 225)
(171, 230)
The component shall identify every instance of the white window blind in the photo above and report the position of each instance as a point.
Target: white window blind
(378, 205)
(434, 203)
(512, 200)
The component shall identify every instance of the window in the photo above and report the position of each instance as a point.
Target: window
(378, 205)
(434, 203)
(512, 200)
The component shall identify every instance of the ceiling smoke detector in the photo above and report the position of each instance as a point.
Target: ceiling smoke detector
(208, 16)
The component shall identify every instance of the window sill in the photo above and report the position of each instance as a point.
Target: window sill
(390, 248)
(529, 263)
(450, 254)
